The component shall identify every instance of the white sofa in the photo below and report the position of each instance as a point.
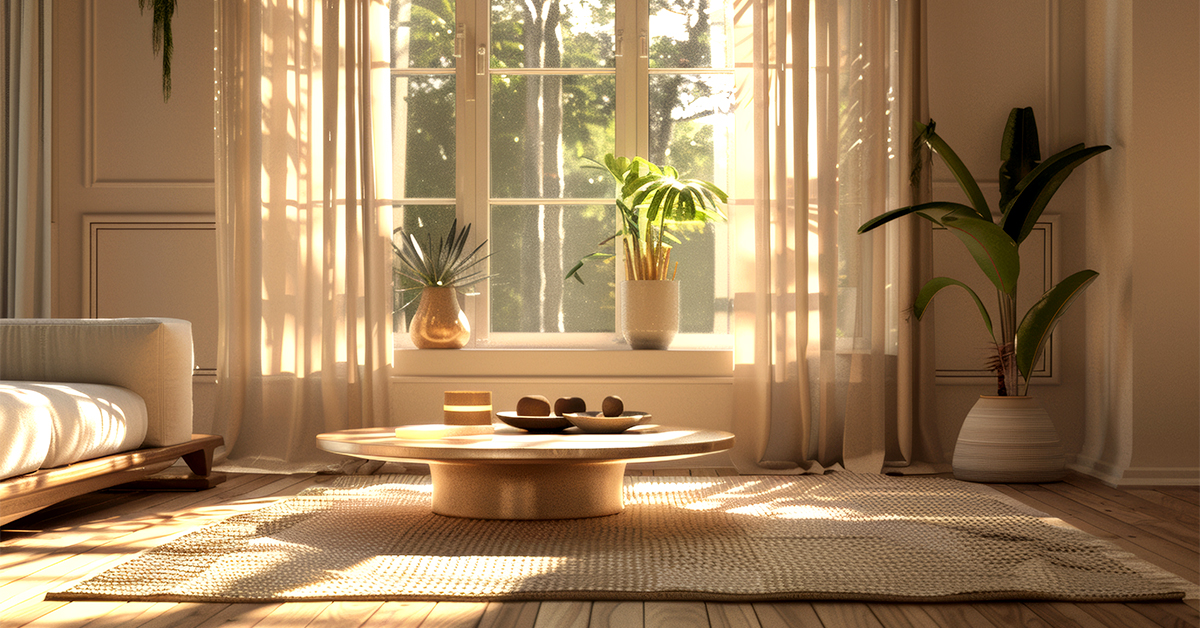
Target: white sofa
(90, 403)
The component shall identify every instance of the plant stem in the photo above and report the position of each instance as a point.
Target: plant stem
(629, 267)
(1008, 355)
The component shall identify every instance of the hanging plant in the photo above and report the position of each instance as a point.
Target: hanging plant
(160, 38)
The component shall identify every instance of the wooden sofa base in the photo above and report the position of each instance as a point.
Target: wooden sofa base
(25, 494)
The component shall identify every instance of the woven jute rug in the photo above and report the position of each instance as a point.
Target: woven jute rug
(835, 536)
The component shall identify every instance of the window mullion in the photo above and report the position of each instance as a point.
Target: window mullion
(473, 148)
(631, 22)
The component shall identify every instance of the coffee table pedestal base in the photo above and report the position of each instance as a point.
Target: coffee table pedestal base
(503, 490)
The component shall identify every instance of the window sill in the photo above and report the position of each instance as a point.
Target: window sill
(414, 363)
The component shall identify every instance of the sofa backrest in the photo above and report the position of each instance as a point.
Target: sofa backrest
(150, 356)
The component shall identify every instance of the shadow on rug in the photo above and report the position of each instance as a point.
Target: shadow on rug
(839, 536)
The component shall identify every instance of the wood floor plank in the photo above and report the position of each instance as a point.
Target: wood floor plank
(1169, 615)
(73, 615)
(1188, 613)
(1186, 511)
(1118, 615)
(786, 614)
(1128, 509)
(1144, 545)
(902, 615)
(675, 614)
(126, 614)
(238, 616)
(511, 615)
(614, 614)
(1055, 615)
(1163, 505)
(291, 614)
(1189, 494)
(849, 614)
(168, 615)
(731, 615)
(130, 502)
(345, 615)
(399, 615)
(455, 615)
(563, 615)
(958, 615)
(26, 610)
(1011, 614)
(36, 530)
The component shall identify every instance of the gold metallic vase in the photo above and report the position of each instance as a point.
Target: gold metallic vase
(439, 322)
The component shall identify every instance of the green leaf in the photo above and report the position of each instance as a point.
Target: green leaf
(1038, 187)
(935, 285)
(958, 169)
(992, 249)
(994, 252)
(1042, 318)
(887, 217)
(1019, 151)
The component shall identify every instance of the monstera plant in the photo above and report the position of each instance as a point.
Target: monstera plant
(1026, 186)
(653, 200)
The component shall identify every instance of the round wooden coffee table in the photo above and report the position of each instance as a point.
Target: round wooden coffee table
(513, 474)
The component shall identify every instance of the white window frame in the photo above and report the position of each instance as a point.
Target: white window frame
(473, 200)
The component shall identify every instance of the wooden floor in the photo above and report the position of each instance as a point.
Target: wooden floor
(88, 534)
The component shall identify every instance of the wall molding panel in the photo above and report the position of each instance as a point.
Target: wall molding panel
(154, 265)
(127, 127)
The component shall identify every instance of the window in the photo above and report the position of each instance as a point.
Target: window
(497, 108)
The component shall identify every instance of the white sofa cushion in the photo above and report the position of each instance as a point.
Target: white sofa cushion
(150, 356)
(84, 421)
(25, 431)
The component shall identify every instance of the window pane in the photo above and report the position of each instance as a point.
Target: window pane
(543, 128)
(690, 124)
(702, 258)
(425, 222)
(552, 33)
(423, 33)
(532, 252)
(689, 34)
(423, 136)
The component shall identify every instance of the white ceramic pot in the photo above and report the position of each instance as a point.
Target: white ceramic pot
(649, 313)
(1008, 439)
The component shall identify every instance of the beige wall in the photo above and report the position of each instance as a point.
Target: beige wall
(133, 176)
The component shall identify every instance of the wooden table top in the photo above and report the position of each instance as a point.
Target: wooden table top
(642, 443)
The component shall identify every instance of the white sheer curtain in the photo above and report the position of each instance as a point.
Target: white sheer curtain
(825, 357)
(303, 227)
(25, 217)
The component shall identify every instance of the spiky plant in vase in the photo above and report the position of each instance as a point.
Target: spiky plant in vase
(439, 270)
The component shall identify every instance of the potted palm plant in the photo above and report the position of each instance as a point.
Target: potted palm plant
(439, 270)
(1007, 437)
(653, 203)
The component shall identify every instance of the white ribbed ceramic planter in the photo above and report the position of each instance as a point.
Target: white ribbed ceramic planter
(649, 313)
(1008, 439)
